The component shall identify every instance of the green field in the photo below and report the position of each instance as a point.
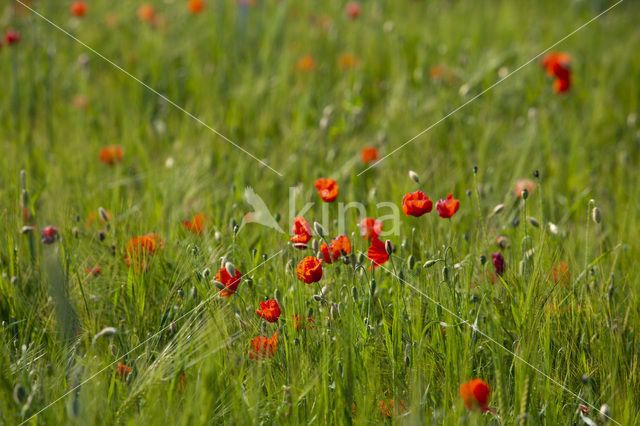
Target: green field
(271, 95)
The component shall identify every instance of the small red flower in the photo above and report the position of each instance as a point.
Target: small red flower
(263, 347)
(195, 6)
(416, 204)
(95, 271)
(338, 247)
(78, 8)
(140, 249)
(111, 154)
(122, 370)
(297, 324)
(561, 274)
(353, 9)
(269, 310)
(558, 66)
(475, 394)
(370, 227)
(12, 37)
(49, 234)
(369, 154)
(387, 408)
(498, 263)
(327, 189)
(230, 283)
(301, 231)
(195, 225)
(522, 184)
(447, 208)
(377, 252)
(146, 13)
(309, 270)
(306, 63)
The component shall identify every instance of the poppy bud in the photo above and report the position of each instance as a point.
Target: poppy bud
(445, 273)
(206, 272)
(388, 247)
(317, 298)
(319, 229)
(354, 293)
(475, 170)
(105, 332)
(497, 209)
(533, 221)
(536, 174)
(300, 246)
(411, 261)
(101, 235)
(217, 236)
(75, 232)
(373, 287)
(360, 258)
(230, 268)
(553, 229)
(414, 176)
(605, 413)
(525, 194)
(219, 284)
(103, 214)
(503, 241)
(430, 263)
(26, 229)
(483, 259)
(19, 394)
(596, 215)
(315, 245)
(194, 293)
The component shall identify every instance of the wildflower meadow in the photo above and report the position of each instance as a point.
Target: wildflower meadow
(319, 212)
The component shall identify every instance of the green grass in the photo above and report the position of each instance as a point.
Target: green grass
(235, 69)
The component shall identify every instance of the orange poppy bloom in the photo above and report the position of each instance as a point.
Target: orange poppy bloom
(78, 8)
(348, 60)
(475, 394)
(94, 271)
(338, 247)
(306, 63)
(301, 231)
(522, 184)
(327, 189)
(353, 9)
(263, 347)
(369, 154)
(140, 249)
(230, 283)
(122, 370)
(387, 408)
(146, 13)
(309, 270)
(269, 310)
(111, 154)
(558, 66)
(195, 6)
(370, 227)
(416, 204)
(197, 224)
(447, 208)
(377, 252)
(561, 274)
(297, 324)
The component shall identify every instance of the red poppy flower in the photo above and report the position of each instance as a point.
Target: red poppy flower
(377, 252)
(94, 271)
(49, 234)
(306, 63)
(301, 231)
(269, 310)
(263, 347)
(230, 283)
(369, 154)
(309, 270)
(475, 394)
(498, 263)
(12, 37)
(447, 208)
(122, 370)
(195, 225)
(327, 189)
(195, 6)
(370, 227)
(387, 408)
(353, 10)
(78, 8)
(561, 274)
(297, 324)
(111, 154)
(146, 13)
(558, 66)
(416, 204)
(338, 247)
(140, 249)
(522, 184)
(561, 85)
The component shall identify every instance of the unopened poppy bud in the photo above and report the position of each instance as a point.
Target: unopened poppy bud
(596, 215)
(414, 176)
(26, 229)
(605, 413)
(503, 241)
(497, 209)
(319, 229)
(101, 234)
(219, 285)
(75, 232)
(373, 287)
(388, 247)
(105, 332)
(407, 361)
(317, 298)
(346, 260)
(103, 214)
(113, 349)
(194, 293)
(354, 293)
(536, 174)
(525, 194)
(483, 259)
(300, 246)
(19, 394)
(411, 261)
(236, 229)
(217, 236)
(430, 263)
(315, 245)
(553, 228)
(324, 290)
(360, 258)
(173, 327)
(533, 221)
(445, 273)
(206, 272)
(230, 269)
(475, 170)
